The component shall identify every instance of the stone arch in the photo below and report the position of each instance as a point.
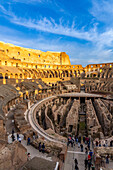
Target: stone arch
(110, 75)
(66, 73)
(56, 74)
(52, 73)
(82, 75)
(31, 72)
(25, 76)
(28, 73)
(35, 72)
(45, 74)
(11, 75)
(16, 76)
(63, 73)
(6, 76)
(102, 73)
(71, 74)
(107, 72)
(75, 73)
(41, 74)
(20, 76)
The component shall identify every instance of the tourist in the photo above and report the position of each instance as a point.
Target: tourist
(76, 167)
(76, 162)
(39, 146)
(85, 140)
(106, 143)
(92, 143)
(28, 141)
(69, 141)
(34, 135)
(13, 131)
(111, 143)
(81, 147)
(86, 163)
(107, 159)
(76, 140)
(79, 139)
(89, 164)
(102, 161)
(92, 167)
(99, 143)
(19, 139)
(91, 154)
(13, 138)
(88, 145)
(96, 143)
(78, 145)
(43, 148)
(28, 156)
(86, 152)
(17, 136)
(89, 157)
(89, 140)
(73, 140)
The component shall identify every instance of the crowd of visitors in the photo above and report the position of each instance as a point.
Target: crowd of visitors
(84, 145)
(41, 147)
(103, 143)
(13, 136)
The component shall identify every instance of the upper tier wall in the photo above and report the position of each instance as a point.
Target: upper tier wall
(11, 52)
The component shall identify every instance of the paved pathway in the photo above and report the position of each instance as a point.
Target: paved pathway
(35, 152)
(30, 149)
(73, 153)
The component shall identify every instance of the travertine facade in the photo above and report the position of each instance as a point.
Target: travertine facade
(18, 64)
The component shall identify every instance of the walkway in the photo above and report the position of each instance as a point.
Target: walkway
(73, 153)
(30, 149)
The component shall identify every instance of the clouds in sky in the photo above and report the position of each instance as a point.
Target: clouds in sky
(83, 44)
(102, 10)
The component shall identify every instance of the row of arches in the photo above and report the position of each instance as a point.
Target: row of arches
(107, 73)
(34, 74)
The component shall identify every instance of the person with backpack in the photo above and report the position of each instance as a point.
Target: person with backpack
(43, 148)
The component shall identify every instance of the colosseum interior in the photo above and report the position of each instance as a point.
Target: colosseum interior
(45, 98)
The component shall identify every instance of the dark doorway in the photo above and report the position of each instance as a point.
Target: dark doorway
(70, 128)
(82, 100)
(58, 119)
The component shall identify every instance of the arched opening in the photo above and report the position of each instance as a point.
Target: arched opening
(25, 76)
(11, 76)
(70, 128)
(66, 73)
(16, 76)
(1, 76)
(71, 73)
(20, 76)
(58, 119)
(6, 76)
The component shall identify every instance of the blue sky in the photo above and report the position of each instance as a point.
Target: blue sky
(81, 28)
